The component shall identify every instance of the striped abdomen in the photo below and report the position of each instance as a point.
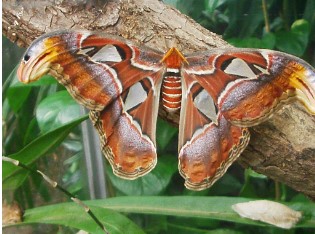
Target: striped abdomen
(172, 91)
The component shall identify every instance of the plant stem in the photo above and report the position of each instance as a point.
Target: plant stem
(264, 8)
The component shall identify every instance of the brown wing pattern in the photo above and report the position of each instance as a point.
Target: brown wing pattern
(249, 85)
(116, 80)
(127, 128)
(208, 143)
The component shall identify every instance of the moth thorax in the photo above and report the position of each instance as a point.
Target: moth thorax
(171, 91)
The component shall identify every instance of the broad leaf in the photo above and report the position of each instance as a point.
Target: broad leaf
(38, 148)
(72, 215)
(164, 133)
(56, 110)
(296, 40)
(218, 208)
(212, 208)
(151, 184)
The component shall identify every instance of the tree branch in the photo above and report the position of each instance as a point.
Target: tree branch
(283, 148)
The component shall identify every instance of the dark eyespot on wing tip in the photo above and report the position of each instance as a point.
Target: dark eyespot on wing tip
(26, 57)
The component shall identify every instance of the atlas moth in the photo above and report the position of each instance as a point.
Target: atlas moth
(219, 93)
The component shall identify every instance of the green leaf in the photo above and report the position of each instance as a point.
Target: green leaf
(32, 132)
(296, 40)
(227, 181)
(217, 208)
(211, 6)
(56, 110)
(191, 7)
(255, 174)
(212, 208)
(309, 16)
(248, 189)
(244, 18)
(11, 55)
(249, 42)
(38, 148)
(153, 183)
(44, 80)
(267, 42)
(72, 215)
(252, 13)
(183, 229)
(13, 182)
(17, 92)
(164, 133)
(17, 96)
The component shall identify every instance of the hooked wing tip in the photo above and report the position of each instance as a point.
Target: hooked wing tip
(303, 80)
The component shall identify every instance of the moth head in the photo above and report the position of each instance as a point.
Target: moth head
(37, 59)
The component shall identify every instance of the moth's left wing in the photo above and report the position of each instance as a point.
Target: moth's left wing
(127, 128)
(118, 81)
(208, 143)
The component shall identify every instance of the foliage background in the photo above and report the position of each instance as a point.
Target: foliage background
(40, 127)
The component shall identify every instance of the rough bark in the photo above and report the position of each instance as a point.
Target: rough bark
(282, 148)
